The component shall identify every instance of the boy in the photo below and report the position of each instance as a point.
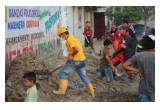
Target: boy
(88, 33)
(145, 61)
(29, 82)
(105, 69)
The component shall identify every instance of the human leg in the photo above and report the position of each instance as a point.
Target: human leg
(63, 83)
(100, 76)
(82, 73)
(109, 76)
(90, 42)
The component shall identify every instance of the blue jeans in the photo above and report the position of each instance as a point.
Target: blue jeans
(79, 66)
(105, 71)
(146, 97)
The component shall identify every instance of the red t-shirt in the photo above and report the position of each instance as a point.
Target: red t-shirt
(87, 31)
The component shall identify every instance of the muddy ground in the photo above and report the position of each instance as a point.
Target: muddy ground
(15, 90)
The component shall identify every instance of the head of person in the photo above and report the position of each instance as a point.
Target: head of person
(149, 42)
(29, 79)
(123, 30)
(63, 32)
(152, 31)
(114, 27)
(125, 22)
(107, 44)
(88, 24)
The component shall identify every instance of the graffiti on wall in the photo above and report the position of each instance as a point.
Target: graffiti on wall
(13, 53)
(52, 20)
(23, 12)
(44, 47)
(30, 28)
(25, 37)
(44, 14)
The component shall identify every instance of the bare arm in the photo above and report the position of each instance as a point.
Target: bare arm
(109, 61)
(127, 66)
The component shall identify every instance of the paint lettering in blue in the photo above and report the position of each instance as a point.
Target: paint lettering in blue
(16, 25)
(31, 12)
(16, 13)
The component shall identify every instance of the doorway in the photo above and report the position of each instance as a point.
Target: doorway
(99, 24)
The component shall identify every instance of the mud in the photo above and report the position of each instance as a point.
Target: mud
(15, 90)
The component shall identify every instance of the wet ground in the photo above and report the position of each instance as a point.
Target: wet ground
(76, 92)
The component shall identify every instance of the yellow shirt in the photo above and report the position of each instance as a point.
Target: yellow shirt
(70, 43)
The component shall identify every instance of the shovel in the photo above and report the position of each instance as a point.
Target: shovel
(118, 73)
(50, 72)
(87, 40)
(89, 43)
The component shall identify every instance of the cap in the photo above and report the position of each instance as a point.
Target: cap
(61, 30)
(114, 26)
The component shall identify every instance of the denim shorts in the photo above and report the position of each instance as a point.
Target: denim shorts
(105, 71)
(78, 66)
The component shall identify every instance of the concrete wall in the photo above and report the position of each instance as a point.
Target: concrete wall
(34, 28)
(79, 23)
(70, 19)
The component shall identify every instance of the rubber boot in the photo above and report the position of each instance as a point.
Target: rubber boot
(90, 89)
(63, 84)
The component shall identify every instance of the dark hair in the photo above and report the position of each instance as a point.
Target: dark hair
(107, 42)
(66, 32)
(148, 43)
(31, 76)
(87, 22)
(152, 31)
(123, 27)
(125, 20)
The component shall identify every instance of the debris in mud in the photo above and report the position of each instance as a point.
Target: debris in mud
(75, 84)
(76, 92)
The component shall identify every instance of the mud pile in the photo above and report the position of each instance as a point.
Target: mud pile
(46, 83)
(15, 90)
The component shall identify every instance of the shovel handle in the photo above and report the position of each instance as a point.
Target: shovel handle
(87, 39)
(55, 70)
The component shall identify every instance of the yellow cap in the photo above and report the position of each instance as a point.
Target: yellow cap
(61, 30)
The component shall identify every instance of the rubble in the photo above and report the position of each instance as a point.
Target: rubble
(15, 90)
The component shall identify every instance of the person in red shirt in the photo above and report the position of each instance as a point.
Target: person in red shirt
(114, 36)
(125, 50)
(88, 33)
(118, 57)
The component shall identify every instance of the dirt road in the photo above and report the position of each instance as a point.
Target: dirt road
(15, 90)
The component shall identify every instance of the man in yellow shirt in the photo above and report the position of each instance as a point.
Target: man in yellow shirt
(75, 61)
